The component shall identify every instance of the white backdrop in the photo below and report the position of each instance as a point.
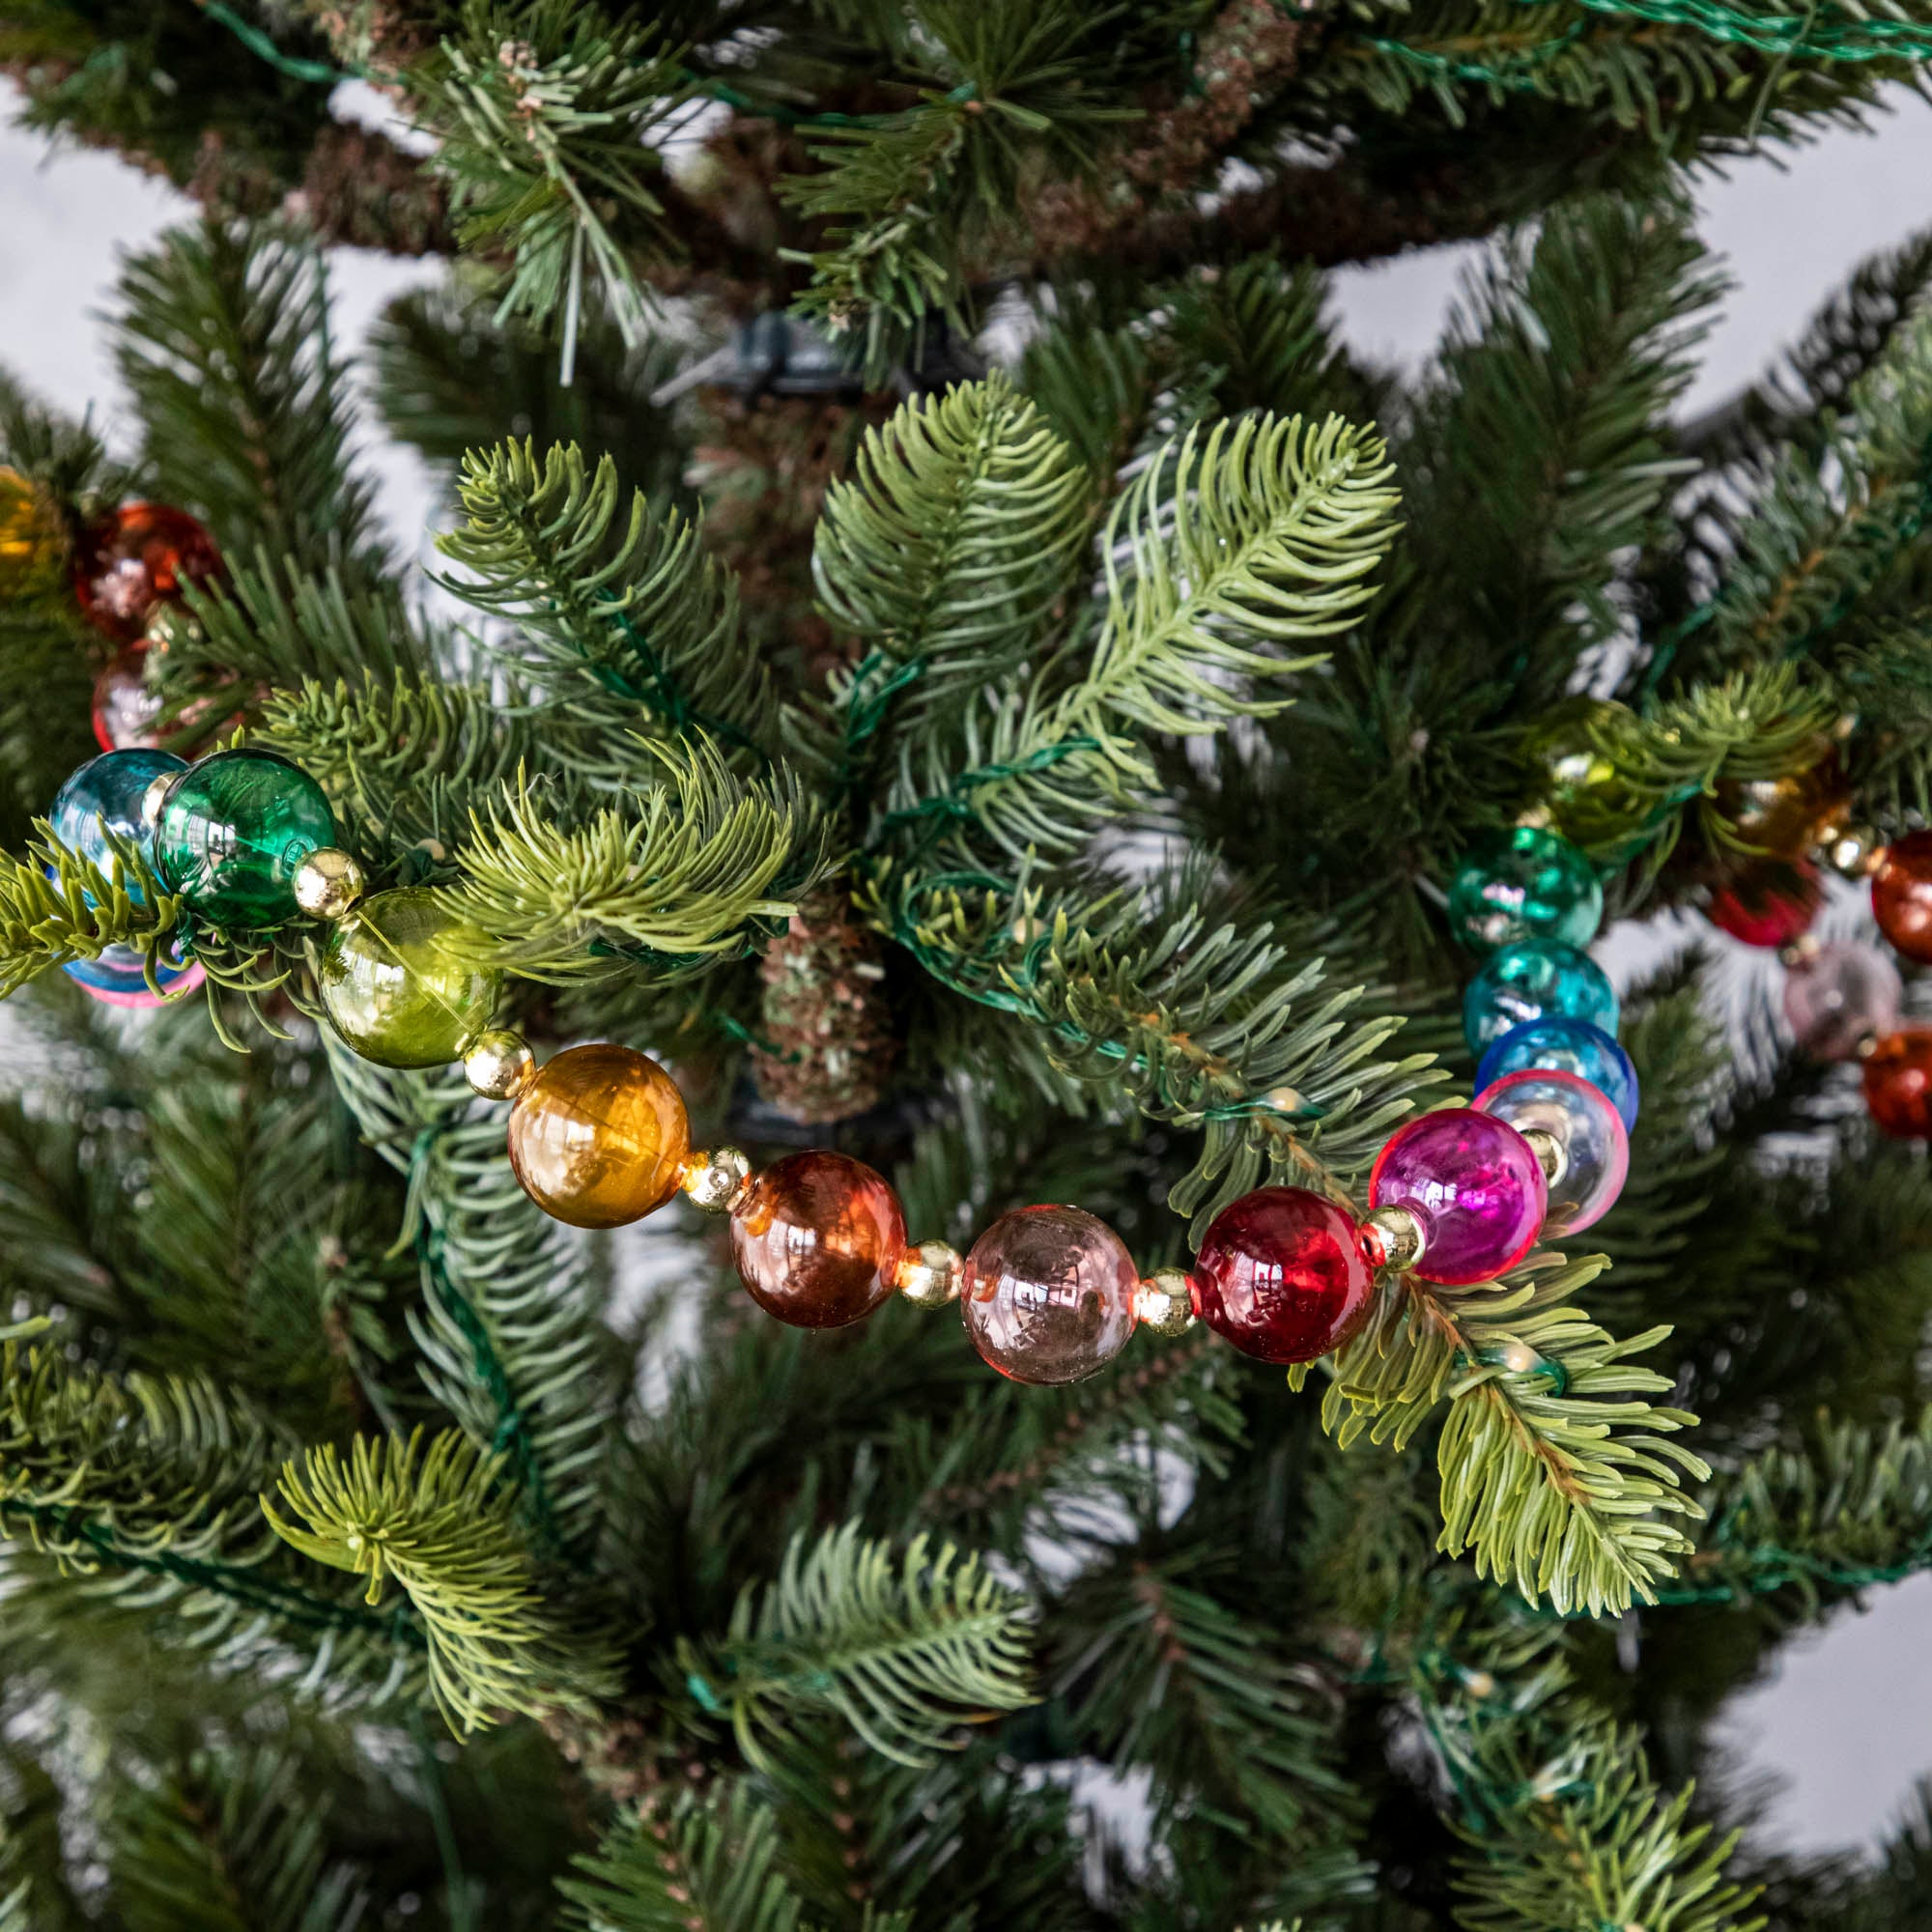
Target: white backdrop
(1847, 1726)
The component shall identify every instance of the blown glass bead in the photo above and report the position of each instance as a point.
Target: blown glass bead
(1839, 997)
(1902, 896)
(1281, 1275)
(1771, 906)
(1589, 1129)
(1524, 884)
(599, 1136)
(817, 1239)
(1571, 1047)
(1534, 979)
(127, 708)
(30, 539)
(1048, 1295)
(1572, 753)
(1785, 816)
(104, 795)
(233, 832)
(1898, 1084)
(135, 558)
(116, 977)
(393, 989)
(1475, 1185)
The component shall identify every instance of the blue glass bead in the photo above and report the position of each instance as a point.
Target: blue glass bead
(1575, 1046)
(1524, 884)
(110, 788)
(116, 979)
(1536, 979)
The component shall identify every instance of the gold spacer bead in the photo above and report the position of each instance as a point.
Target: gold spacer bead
(929, 1275)
(329, 882)
(718, 1179)
(1551, 1155)
(1854, 852)
(1393, 1238)
(1797, 954)
(1164, 1301)
(499, 1063)
(156, 796)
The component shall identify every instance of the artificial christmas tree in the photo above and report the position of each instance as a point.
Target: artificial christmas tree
(963, 733)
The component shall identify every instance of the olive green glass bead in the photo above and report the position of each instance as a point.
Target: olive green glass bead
(393, 989)
(233, 832)
(1576, 754)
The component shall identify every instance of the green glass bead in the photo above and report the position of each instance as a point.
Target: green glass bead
(233, 832)
(1573, 754)
(1524, 884)
(393, 989)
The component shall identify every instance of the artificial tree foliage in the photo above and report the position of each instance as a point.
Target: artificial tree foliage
(936, 637)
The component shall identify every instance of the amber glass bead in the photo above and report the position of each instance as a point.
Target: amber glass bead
(1785, 816)
(30, 539)
(1048, 1295)
(1573, 755)
(135, 558)
(817, 1239)
(599, 1136)
(1898, 1084)
(233, 833)
(1902, 896)
(394, 988)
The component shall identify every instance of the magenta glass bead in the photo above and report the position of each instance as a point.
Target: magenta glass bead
(1281, 1275)
(1584, 1121)
(1473, 1182)
(1839, 997)
(1047, 1295)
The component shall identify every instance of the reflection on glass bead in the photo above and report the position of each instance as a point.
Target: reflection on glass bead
(1048, 1295)
(232, 833)
(104, 795)
(1533, 979)
(1524, 884)
(1572, 1046)
(1839, 997)
(134, 557)
(1572, 753)
(393, 989)
(1589, 1129)
(1771, 905)
(817, 1239)
(1902, 896)
(1784, 816)
(116, 977)
(1898, 1084)
(1281, 1275)
(599, 1136)
(1473, 1182)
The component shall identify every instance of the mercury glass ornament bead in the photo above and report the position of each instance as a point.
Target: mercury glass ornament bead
(1838, 997)
(1898, 1084)
(929, 1275)
(1473, 1182)
(104, 795)
(328, 883)
(499, 1063)
(1164, 1301)
(231, 833)
(817, 1239)
(1048, 1295)
(1524, 884)
(1581, 1120)
(1534, 979)
(1281, 1275)
(716, 1178)
(1902, 896)
(600, 1137)
(1571, 1047)
(134, 557)
(394, 983)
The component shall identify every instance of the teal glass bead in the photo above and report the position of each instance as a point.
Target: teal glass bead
(396, 991)
(1571, 1047)
(1536, 979)
(1524, 884)
(104, 795)
(232, 831)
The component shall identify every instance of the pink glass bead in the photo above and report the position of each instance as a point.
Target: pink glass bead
(1047, 1295)
(1838, 997)
(1473, 1182)
(1584, 1121)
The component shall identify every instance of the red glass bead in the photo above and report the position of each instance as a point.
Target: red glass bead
(134, 557)
(1771, 906)
(1281, 1275)
(1898, 1084)
(1047, 1295)
(817, 1239)
(1902, 896)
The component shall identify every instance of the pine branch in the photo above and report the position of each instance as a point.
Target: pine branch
(56, 905)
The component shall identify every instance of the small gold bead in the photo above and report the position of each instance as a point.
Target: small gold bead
(929, 1275)
(1551, 1155)
(156, 796)
(1854, 851)
(1867, 1046)
(499, 1063)
(717, 1178)
(1799, 952)
(328, 883)
(1164, 1301)
(1393, 1238)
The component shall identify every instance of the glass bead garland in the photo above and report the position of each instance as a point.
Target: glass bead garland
(391, 988)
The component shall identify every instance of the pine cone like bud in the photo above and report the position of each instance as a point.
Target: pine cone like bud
(826, 1014)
